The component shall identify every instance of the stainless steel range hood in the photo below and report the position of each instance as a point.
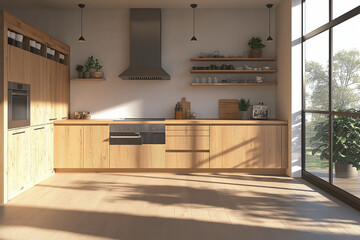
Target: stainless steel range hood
(145, 46)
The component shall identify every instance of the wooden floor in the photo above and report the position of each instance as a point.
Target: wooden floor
(168, 206)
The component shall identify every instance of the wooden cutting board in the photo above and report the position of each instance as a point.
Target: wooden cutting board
(228, 109)
(185, 105)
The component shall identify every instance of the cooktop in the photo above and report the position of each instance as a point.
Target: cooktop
(140, 119)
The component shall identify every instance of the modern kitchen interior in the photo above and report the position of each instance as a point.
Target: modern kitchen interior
(179, 120)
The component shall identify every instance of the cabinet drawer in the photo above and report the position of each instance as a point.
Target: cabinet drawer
(187, 133)
(187, 142)
(188, 128)
(187, 160)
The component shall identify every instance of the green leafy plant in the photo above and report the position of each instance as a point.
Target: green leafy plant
(89, 63)
(244, 105)
(256, 43)
(97, 65)
(346, 140)
(79, 68)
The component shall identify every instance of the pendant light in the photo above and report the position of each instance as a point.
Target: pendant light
(269, 39)
(193, 39)
(81, 38)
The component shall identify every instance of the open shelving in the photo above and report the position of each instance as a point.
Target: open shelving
(233, 71)
(88, 79)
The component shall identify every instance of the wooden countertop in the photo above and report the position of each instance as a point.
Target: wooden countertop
(172, 122)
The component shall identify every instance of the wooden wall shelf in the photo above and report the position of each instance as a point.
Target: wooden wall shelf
(233, 59)
(88, 79)
(233, 71)
(233, 84)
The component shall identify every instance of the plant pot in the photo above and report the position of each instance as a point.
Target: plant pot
(97, 74)
(345, 171)
(255, 53)
(87, 74)
(243, 115)
(80, 74)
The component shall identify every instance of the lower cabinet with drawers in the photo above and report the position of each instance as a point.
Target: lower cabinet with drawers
(187, 146)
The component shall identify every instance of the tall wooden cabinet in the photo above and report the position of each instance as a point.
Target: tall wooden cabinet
(49, 80)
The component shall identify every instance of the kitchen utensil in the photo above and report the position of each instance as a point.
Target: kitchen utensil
(267, 68)
(228, 109)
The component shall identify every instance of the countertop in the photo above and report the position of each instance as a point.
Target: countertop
(172, 122)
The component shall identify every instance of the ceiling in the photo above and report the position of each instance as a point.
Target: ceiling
(58, 4)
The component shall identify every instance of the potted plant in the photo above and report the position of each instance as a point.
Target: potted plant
(346, 144)
(256, 45)
(89, 64)
(80, 69)
(243, 109)
(97, 67)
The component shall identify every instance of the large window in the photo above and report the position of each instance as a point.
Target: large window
(331, 96)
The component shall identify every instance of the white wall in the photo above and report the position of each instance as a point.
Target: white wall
(107, 38)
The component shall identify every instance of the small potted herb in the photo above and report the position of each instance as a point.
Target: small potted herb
(89, 64)
(97, 66)
(256, 45)
(80, 69)
(243, 109)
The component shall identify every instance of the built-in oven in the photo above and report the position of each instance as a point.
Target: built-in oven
(137, 134)
(18, 105)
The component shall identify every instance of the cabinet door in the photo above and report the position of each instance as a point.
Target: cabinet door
(38, 91)
(52, 74)
(49, 148)
(245, 146)
(187, 160)
(62, 91)
(38, 163)
(18, 161)
(96, 146)
(18, 65)
(137, 156)
(68, 146)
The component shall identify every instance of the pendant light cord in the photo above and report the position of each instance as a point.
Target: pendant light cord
(269, 21)
(193, 21)
(81, 21)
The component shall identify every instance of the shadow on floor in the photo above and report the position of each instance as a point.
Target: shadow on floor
(132, 227)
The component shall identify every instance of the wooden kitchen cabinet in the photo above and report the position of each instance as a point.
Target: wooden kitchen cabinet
(96, 146)
(38, 90)
(63, 91)
(137, 156)
(38, 163)
(246, 147)
(69, 146)
(187, 159)
(49, 148)
(18, 161)
(18, 61)
(52, 74)
(187, 138)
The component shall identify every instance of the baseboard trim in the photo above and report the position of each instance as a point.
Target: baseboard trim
(272, 171)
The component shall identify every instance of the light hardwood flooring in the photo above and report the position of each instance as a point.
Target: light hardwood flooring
(168, 207)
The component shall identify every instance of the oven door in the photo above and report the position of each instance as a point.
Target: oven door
(18, 108)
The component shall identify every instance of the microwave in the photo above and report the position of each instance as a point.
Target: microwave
(18, 105)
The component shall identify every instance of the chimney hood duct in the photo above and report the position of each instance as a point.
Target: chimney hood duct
(145, 46)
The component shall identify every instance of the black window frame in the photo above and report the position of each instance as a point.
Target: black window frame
(341, 194)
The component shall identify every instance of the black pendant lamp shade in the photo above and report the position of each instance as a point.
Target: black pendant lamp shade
(193, 39)
(269, 39)
(81, 38)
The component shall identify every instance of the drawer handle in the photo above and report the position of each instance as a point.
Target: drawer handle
(18, 133)
(64, 118)
(39, 128)
(125, 136)
(52, 119)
